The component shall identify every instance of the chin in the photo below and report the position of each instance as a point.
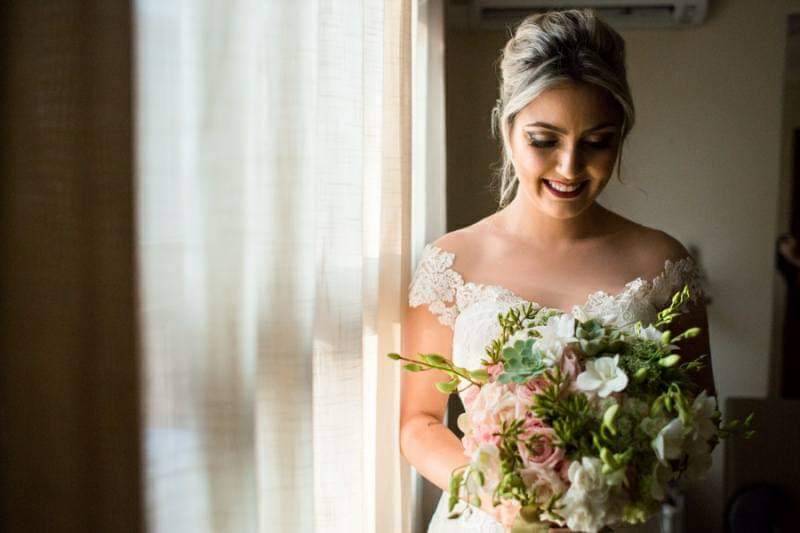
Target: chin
(565, 214)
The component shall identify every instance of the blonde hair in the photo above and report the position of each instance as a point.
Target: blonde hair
(549, 49)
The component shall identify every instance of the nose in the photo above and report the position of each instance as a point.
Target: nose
(569, 163)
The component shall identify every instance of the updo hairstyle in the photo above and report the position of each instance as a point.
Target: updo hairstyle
(547, 50)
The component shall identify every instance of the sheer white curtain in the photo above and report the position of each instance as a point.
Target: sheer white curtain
(273, 206)
(429, 184)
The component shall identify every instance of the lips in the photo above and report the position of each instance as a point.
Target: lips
(569, 193)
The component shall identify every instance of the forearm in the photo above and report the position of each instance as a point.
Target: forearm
(431, 448)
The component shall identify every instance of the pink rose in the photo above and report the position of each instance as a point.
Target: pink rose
(469, 395)
(536, 444)
(544, 481)
(570, 365)
(486, 408)
(487, 434)
(495, 370)
(506, 512)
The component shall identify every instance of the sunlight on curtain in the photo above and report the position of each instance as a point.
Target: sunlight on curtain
(429, 172)
(273, 205)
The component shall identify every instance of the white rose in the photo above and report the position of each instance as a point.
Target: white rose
(586, 475)
(602, 376)
(580, 518)
(555, 335)
(587, 498)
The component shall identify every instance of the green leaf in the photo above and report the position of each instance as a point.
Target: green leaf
(434, 359)
(455, 484)
(480, 374)
(394, 356)
(413, 367)
(447, 387)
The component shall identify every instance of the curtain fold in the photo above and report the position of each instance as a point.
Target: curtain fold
(273, 156)
(69, 376)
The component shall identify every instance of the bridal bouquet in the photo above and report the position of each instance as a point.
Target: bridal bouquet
(579, 423)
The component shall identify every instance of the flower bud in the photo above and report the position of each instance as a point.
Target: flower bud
(670, 360)
(434, 359)
(608, 418)
(607, 457)
(691, 332)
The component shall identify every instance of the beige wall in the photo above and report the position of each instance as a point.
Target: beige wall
(704, 163)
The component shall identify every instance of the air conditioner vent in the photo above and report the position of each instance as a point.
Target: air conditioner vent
(623, 14)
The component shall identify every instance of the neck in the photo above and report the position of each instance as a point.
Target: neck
(524, 222)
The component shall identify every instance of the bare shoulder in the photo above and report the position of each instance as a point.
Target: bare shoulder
(464, 244)
(653, 247)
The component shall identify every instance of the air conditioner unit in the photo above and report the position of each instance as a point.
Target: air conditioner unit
(621, 14)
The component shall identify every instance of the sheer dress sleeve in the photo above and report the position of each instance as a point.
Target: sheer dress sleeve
(435, 284)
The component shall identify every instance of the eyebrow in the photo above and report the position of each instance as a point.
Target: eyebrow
(561, 130)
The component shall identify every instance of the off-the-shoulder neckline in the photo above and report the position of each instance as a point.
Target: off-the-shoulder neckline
(633, 284)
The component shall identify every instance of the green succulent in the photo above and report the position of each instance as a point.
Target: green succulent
(521, 362)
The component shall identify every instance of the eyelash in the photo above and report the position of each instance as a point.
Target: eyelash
(600, 145)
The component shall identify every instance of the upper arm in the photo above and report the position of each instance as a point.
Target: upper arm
(423, 333)
(428, 328)
(695, 310)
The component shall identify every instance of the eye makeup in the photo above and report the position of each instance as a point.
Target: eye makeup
(602, 143)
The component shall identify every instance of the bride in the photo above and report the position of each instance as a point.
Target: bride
(564, 113)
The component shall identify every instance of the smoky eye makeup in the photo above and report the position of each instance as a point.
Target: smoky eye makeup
(597, 142)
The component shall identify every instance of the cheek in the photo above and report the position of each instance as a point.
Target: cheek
(602, 161)
(531, 164)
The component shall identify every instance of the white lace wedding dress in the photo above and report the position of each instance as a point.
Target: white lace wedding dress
(471, 310)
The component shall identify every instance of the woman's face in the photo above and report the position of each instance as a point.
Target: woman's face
(567, 136)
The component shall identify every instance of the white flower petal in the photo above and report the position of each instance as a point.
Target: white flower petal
(603, 375)
(669, 440)
(619, 382)
(588, 381)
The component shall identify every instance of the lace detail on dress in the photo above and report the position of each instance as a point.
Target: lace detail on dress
(642, 299)
(444, 290)
(434, 283)
(675, 275)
